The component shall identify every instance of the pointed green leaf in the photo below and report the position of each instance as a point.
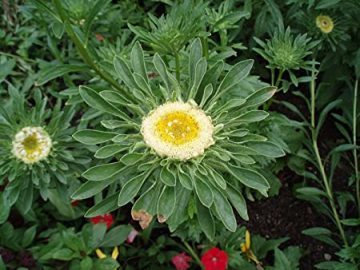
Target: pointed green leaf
(131, 188)
(166, 203)
(92, 137)
(104, 171)
(105, 206)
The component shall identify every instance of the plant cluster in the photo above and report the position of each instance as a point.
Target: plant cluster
(143, 134)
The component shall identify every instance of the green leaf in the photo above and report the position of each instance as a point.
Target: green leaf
(86, 263)
(167, 177)
(131, 188)
(124, 73)
(64, 254)
(325, 112)
(267, 149)
(203, 192)
(200, 71)
(93, 99)
(324, 4)
(238, 201)
(260, 96)
(205, 220)
(249, 178)
(132, 158)
(104, 171)
(54, 71)
(137, 61)
(252, 116)
(116, 236)
(92, 137)
(218, 179)
(235, 75)
(321, 234)
(224, 210)
(105, 206)
(310, 191)
(109, 151)
(90, 189)
(351, 221)
(166, 203)
(28, 236)
(185, 180)
(162, 70)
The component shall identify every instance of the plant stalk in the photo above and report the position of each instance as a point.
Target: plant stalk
(324, 177)
(356, 164)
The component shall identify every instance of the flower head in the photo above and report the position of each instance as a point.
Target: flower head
(178, 130)
(181, 261)
(106, 219)
(215, 259)
(31, 144)
(324, 23)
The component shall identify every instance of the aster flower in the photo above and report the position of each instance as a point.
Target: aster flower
(35, 151)
(215, 259)
(175, 143)
(181, 261)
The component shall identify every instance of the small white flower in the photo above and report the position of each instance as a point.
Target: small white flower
(178, 130)
(31, 144)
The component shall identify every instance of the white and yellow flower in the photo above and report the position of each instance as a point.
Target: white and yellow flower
(178, 130)
(31, 144)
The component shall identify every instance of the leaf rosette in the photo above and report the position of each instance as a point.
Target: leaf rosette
(176, 144)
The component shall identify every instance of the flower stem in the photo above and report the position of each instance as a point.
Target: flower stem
(193, 254)
(324, 177)
(356, 164)
(278, 80)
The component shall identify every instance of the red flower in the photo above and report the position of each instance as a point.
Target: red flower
(215, 259)
(181, 261)
(107, 219)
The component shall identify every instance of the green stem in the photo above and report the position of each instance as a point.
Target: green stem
(356, 164)
(328, 188)
(278, 80)
(193, 254)
(223, 38)
(177, 65)
(84, 52)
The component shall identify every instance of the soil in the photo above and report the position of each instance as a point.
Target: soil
(286, 216)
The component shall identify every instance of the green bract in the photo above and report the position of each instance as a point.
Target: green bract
(160, 185)
(53, 161)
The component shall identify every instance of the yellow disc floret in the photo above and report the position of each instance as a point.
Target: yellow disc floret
(325, 23)
(31, 144)
(178, 130)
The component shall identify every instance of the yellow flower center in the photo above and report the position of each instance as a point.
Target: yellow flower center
(325, 23)
(177, 128)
